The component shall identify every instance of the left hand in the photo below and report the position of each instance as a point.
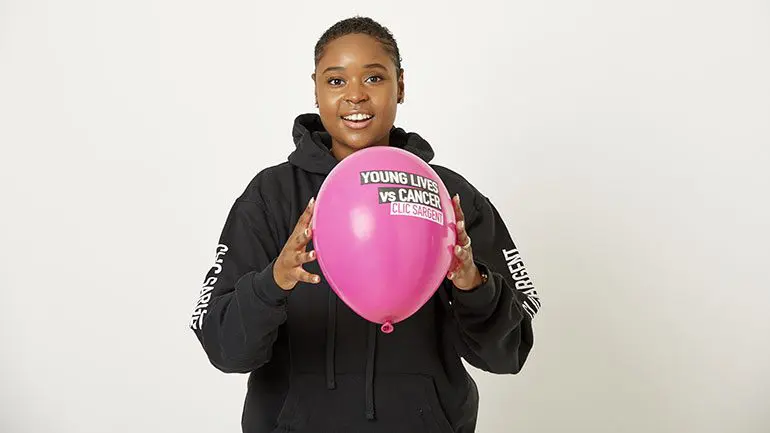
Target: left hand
(464, 273)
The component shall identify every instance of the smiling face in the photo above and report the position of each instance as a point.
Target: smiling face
(357, 87)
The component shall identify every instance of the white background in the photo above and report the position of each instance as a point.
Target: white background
(627, 145)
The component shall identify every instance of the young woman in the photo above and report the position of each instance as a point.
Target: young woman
(314, 365)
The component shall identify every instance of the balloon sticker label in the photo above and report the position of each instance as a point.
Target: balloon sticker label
(417, 196)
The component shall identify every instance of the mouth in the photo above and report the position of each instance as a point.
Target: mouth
(357, 120)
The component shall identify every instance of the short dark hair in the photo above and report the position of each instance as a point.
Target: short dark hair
(360, 25)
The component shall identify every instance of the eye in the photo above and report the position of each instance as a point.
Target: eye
(335, 82)
(375, 79)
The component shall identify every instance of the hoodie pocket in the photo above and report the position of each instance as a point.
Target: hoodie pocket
(403, 403)
(434, 419)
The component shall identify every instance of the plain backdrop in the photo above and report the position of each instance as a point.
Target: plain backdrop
(627, 145)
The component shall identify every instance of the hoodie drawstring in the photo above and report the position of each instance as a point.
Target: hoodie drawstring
(331, 330)
(371, 343)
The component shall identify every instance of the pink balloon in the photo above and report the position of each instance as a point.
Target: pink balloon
(384, 230)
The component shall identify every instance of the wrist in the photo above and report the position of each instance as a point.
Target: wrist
(479, 278)
(481, 296)
(280, 282)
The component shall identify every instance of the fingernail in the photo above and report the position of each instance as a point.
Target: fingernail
(310, 203)
(461, 225)
(312, 254)
(316, 279)
(307, 232)
(451, 275)
(458, 249)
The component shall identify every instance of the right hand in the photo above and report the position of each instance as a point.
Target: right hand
(287, 270)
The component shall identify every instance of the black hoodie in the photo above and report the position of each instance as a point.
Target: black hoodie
(315, 365)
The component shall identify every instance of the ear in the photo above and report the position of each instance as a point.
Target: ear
(315, 91)
(400, 86)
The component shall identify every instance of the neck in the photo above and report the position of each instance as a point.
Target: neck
(342, 151)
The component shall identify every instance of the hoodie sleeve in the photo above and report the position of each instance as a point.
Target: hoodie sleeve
(495, 319)
(240, 307)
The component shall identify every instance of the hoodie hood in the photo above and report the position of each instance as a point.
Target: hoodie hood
(313, 152)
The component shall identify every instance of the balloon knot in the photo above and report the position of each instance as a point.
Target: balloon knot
(387, 327)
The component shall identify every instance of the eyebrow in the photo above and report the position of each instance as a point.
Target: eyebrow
(367, 66)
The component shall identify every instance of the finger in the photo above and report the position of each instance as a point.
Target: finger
(305, 276)
(457, 273)
(303, 238)
(454, 269)
(304, 219)
(307, 257)
(462, 236)
(459, 214)
(300, 258)
(463, 255)
(464, 262)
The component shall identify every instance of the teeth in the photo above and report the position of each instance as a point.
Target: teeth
(358, 117)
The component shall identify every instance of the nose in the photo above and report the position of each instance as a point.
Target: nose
(356, 93)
